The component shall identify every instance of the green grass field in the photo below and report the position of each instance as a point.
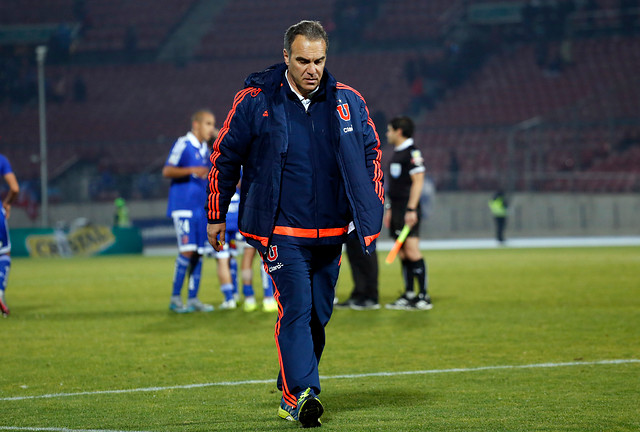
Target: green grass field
(97, 325)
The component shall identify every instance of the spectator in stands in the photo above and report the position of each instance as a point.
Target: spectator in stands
(5, 242)
(188, 166)
(298, 204)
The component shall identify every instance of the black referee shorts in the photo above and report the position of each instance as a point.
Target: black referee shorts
(397, 223)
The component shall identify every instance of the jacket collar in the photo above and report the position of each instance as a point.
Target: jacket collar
(271, 79)
(405, 145)
(193, 140)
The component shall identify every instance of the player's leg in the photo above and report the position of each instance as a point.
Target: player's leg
(5, 266)
(355, 261)
(417, 271)
(233, 271)
(406, 298)
(179, 273)
(191, 235)
(246, 268)
(234, 240)
(199, 235)
(195, 274)
(193, 302)
(268, 302)
(364, 270)
(5, 262)
(224, 276)
(247, 279)
(186, 246)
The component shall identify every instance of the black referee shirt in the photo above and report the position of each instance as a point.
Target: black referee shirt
(406, 161)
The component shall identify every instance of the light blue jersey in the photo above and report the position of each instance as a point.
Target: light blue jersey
(5, 166)
(188, 193)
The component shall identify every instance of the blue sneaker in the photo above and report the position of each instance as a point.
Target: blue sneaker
(308, 411)
(195, 305)
(176, 305)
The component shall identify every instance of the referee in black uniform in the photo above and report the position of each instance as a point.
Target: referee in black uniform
(405, 180)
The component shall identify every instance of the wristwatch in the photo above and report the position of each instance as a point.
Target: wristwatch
(410, 209)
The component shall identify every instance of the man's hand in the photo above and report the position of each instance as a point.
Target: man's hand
(202, 172)
(387, 218)
(411, 218)
(215, 230)
(7, 210)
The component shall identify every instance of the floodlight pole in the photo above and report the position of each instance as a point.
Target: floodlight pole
(41, 53)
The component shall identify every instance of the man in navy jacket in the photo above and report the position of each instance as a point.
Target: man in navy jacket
(310, 156)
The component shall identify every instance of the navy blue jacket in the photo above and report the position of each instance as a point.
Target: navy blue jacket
(255, 137)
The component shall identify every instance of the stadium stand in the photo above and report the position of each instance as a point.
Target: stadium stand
(587, 109)
(150, 20)
(36, 12)
(233, 33)
(410, 20)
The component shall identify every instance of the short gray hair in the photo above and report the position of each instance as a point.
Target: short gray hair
(312, 30)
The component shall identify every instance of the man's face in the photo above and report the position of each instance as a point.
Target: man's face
(393, 135)
(306, 63)
(203, 128)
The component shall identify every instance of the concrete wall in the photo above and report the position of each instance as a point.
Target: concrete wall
(461, 215)
(455, 215)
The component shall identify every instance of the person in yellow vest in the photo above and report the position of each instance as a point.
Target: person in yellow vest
(121, 216)
(499, 205)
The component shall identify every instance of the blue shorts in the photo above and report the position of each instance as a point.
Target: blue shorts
(5, 241)
(191, 230)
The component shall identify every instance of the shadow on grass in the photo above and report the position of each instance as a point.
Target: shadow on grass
(341, 401)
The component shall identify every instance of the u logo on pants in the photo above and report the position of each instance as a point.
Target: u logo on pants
(304, 280)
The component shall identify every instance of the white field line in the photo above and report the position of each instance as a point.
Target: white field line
(350, 376)
(53, 429)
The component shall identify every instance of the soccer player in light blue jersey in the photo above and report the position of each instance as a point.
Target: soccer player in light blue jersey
(188, 166)
(5, 243)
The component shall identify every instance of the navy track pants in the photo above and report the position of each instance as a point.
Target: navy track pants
(304, 280)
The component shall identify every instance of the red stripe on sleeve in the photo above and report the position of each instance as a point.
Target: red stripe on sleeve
(213, 202)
